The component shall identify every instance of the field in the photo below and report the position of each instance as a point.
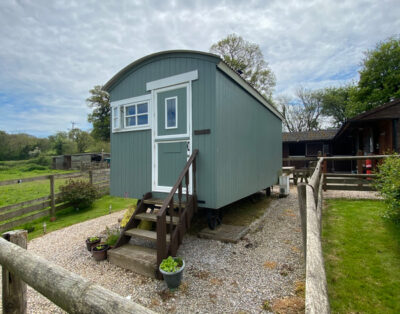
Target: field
(362, 257)
(16, 193)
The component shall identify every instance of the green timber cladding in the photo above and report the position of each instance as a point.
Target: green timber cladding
(240, 152)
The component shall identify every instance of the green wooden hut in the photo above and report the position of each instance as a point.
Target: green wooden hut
(183, 108)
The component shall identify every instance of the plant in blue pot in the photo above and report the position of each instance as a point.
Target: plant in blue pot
(172, 270)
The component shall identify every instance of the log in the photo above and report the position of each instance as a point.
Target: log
(317, 300)
(14, 296)
(69, 291)
(301, 192)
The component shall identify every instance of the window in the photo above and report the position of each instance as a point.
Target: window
(171, 113)
(136, 115)
(116, 124)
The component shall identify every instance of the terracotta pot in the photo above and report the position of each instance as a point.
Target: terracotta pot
(100, 254)
(89, 244)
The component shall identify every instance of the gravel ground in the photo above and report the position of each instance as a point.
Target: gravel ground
(219, 277)
(352, 194)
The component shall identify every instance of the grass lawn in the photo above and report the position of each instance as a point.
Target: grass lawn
(70, 216)
(362, 257)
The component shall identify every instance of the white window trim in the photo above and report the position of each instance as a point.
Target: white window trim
(173, 80)
(166, 113)
(121, 104)
(116, 127)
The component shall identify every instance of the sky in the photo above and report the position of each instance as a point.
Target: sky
(53, 52)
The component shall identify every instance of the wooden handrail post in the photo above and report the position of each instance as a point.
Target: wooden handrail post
(14, 289)
(301, 191)
(52, 198)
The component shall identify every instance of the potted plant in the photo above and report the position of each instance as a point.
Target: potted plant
(91, 242)
(99, 252)
(172, 270)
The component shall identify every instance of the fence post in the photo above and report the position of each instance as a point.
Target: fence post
(302, 196)
(91, 176)
(359, 162)
(52, 198)
(14, 289)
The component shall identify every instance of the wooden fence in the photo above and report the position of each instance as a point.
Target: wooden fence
(47, 205)
(310, 196)
(69, 291)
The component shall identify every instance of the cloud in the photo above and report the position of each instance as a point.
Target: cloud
(53, 52)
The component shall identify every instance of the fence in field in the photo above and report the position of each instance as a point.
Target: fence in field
(69, 291)
(310, 196)
(46, 205)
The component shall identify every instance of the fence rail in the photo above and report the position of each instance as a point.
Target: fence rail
(69, 291)
(46, 205)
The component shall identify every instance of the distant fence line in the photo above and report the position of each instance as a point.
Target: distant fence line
(46, 205)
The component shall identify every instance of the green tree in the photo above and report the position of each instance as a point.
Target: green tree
(335, 103)
(62, 144)
(100, 117)
(379, 77)
(247, 57)
(82, 139)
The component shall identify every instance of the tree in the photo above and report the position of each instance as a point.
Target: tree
(335, 103)
(247, 58)
(302, 113)
(62, 144)
(379, 77)
(81, 138)
(100, 117)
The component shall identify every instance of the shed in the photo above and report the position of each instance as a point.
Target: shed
(185, 114)
(167, 104)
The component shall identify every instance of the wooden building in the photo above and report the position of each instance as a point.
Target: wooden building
(166, 105)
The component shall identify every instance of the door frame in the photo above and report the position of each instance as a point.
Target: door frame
(155, 139)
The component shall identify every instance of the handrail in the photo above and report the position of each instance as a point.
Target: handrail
(162, 249)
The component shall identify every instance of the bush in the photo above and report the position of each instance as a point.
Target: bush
(112, 236)
(388, 185)
(81, 194)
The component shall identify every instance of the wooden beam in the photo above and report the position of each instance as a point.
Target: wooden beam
(350, 187)
(14, 296)
(69, 291)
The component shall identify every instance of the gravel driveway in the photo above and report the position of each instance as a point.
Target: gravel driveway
(219, 277)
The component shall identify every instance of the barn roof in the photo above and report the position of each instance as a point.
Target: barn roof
(309, 135)
(224, 67)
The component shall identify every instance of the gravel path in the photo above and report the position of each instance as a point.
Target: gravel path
(219, 278)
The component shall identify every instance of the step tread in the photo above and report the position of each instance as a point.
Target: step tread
(136, 252)
(153, 217)
(144, 234)
(159, 202)
(139, 259)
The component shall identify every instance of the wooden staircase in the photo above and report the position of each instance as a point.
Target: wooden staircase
(172, 218)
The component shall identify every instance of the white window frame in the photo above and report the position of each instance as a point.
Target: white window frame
(116, 126)
(166, 113)
(122, 104)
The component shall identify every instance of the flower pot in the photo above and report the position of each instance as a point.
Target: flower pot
(89, 244)
(100, 254)
(174, 279)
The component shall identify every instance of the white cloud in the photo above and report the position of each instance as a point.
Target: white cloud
(53, 52)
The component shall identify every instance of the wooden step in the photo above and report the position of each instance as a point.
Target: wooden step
(158, 202)
(141, 260)
(144, 234)
(153, 217)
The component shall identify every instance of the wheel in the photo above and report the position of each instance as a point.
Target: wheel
(214, 218)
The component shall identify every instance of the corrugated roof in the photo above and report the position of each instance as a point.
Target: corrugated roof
(309, 135)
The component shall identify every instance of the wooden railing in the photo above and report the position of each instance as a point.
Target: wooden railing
(310, 203)
(185, 212)
(69, 291)
(46, 205)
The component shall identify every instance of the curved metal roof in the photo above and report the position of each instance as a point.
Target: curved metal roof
(130, 66)
(221, 64)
